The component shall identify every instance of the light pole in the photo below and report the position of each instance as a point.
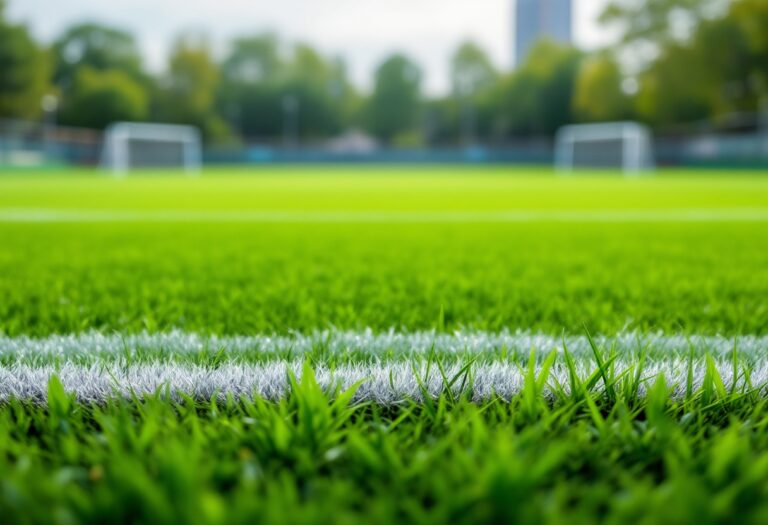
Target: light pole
(50, 107)
(469, 122)
(467, 115)
(763, 122)
(236, 118)
(291, 106)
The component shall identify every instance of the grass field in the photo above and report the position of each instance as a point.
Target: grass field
(431, 345)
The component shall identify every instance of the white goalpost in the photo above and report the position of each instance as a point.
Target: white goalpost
(624, 145)
(130, 145)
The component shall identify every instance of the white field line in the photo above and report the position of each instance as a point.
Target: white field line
(43, 215)
(112, 372)
(381, 383)
(375, 345)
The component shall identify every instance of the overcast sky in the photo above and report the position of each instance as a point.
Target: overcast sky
(362, 31)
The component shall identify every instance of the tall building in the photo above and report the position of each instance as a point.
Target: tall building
(537, 19)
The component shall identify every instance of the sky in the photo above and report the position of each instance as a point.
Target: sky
(363, 32)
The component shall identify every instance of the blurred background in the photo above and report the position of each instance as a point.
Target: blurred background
(398, 81)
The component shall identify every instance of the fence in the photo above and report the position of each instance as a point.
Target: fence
(714, 150)
(34, 144)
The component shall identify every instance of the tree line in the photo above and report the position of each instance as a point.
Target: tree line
(677, 61)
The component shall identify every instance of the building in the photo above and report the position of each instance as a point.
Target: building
(537, 19)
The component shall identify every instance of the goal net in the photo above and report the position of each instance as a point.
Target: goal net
(129, 145)
(624, 145)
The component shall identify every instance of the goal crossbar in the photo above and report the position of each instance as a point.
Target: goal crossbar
(117, 154)
(636, 144)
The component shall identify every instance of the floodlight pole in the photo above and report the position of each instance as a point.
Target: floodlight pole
(291, 108)
(467, 109)
(469, 122)
(50, 107)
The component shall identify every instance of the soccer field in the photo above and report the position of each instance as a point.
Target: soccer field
(393, 344)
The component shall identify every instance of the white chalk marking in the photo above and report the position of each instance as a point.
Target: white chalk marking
(41, 215)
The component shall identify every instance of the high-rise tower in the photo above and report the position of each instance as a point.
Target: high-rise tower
(537, 19)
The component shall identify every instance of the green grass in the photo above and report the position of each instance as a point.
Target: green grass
(308, 249)
(313, 459)
(261, 277)
(389, 188)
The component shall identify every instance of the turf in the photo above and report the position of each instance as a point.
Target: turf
(311, 459)
(340, 188)
(298, 273)
(312, 345)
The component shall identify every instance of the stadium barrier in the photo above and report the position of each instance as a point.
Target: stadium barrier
(540, 153)
(35, 145)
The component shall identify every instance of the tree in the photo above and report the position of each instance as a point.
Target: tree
(258, 80)
(728, 65)
(537, 98)
(752, 18)
(99, 98)
(472, 77)
(187, 92)
(471, 70)
(249, 94)
(253, 60)
(98, 47)
(25, 71)
(720, 69)
(659, 21)
(599, 95)
(675, 88)
(395, 104)
(321, 89)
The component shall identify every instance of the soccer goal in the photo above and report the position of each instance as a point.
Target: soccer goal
(624, 145)
(130, 145)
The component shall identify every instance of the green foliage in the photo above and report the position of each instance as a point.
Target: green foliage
(716, 66)
(395, 105)
(536, 98)
(659, 21)
(676, 88)
(746, 72)
(99, 98)
(249, 95)
(253, 59)
(187, 93)
(25, 67)
(598, 94)
(752, 16)
(97, 47)
(471, 70)
(692, 61)
(321, 89)
(468, 113)
(257, 76)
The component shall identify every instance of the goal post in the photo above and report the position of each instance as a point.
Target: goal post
(624, 145)
(131, 145)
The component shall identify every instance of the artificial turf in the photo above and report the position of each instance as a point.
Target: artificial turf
(114, 410)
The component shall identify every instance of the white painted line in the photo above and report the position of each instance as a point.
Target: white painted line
(93, 346)
(42, 215)
(382, 383)
(392, 367)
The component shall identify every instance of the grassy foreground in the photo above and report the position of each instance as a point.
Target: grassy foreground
(310, 458)
(128, 417)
